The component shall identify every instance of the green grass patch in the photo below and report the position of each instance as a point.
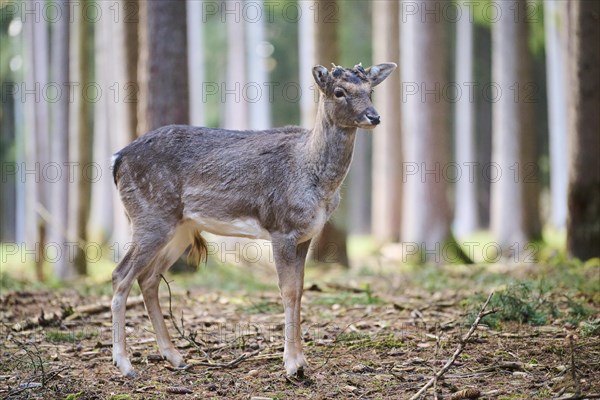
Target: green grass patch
(262, 307)
(346, 299)
(69, 337)
(359, 340)
(529, 302)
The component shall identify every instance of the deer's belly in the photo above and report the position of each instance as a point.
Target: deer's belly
(240, 227)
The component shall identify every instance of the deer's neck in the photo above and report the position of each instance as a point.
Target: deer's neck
(330, 150)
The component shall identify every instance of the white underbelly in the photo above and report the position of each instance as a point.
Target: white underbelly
(240, 227)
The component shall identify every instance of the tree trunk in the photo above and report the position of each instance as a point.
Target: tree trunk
(557, 114)
(235, 106)
(358, 186)
(106, 119)
(258, 107)
(515, 193)
(483, 120)
(84, 132)
(327, 52)
(121, 59)
(163, 65)
(307, 56)
(583, 224)
(128, 28)
(387, 140)
(465, 209)
(37, 140)
(426, 221)
(195, 33)
(59, 144)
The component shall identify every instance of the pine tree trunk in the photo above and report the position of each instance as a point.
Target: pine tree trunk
(583, 225)
(195, 32)
(85, 128)
(387, 140)
(327, 52)
(163, 65)
(130, 30)
(37, 140)
(259, 109)
(465, 209)
(235, 107)
(426, 212)
(515, 194)
(307, 60)
(59, 144)
(557, 113)
(106, 119)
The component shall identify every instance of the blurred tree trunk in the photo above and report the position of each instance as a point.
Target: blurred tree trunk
(465, 214)
(163, 65)
(195, 34)
(163, 70)
(259, 109)
(327, 52)
(128, 27)
(8, 189)
(515, 194)
(122, 58)
(106, 119)
(37, 140)
(358, 185)
(307, 56)
(557, 112)
(81, 133)
(59, 144)
(583, 225)
(387, 140)
(235, 107)
(483, 120)
(426, 212)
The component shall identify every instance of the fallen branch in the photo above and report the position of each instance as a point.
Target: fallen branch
(92, 309)
(573, 369)
(458, 351)
(181, 331)
(231, 364)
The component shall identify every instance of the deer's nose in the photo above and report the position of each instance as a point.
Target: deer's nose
(374, 118)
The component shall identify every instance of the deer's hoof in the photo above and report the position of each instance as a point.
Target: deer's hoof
(132, 374)
(294, 366)
(174, 358)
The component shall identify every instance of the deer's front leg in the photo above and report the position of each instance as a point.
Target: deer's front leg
(289, 260)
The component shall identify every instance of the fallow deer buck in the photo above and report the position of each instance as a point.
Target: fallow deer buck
(178, 181)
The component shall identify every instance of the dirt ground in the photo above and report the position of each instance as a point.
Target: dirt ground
(375, 340)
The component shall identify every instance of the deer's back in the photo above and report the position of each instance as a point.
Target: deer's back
(256, 177)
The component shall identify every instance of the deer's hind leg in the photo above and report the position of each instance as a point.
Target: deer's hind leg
(149, 282)
(147, 244)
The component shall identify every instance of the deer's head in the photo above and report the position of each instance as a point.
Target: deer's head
(347, 93)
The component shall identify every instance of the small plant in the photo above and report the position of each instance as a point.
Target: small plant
(591, 328)
(70, 337)
(524, 302)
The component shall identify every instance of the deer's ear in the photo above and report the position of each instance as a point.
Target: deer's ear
(378, 73)
(321, 76)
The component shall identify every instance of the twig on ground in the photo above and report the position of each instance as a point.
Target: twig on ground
(573, 369)
(231, 364)
(180, 330)
(458, 351)
(92, 309)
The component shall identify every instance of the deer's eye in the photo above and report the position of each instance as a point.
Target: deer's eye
(338, 93)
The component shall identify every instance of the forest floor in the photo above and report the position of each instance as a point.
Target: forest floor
(372, 333)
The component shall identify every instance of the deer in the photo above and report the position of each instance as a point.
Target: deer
(178, 181)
